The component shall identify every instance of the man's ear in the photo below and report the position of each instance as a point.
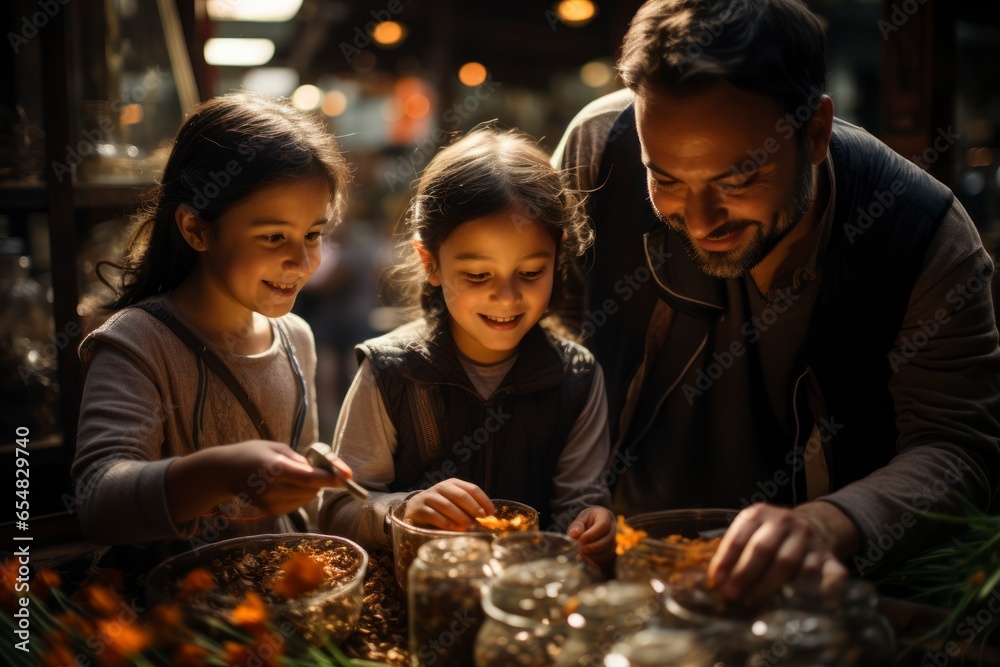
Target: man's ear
(430, 265)
(192, 227)
(819, 130)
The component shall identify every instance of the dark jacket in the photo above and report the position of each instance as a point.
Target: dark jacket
(869, 269)
(508, 445)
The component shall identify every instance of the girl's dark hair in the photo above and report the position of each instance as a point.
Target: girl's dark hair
(772, 47)
(487, 172)
(227, 149)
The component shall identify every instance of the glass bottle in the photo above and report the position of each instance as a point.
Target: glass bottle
(606, 614)
(796, 638)
(526, 608)
(660, 647)
(444, 590)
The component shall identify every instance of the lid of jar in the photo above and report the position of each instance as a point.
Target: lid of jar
(539, 589)
(455, 552)
(798, 629)
(658, 646)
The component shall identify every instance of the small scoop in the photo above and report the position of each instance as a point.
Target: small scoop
(316, 455)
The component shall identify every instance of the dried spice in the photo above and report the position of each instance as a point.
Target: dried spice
(381, 632)
(280, 576)
(627, 536)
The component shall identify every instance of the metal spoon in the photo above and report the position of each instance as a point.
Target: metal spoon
(317, 456)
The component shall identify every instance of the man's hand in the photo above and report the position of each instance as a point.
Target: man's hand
(767, 547)
(594, 530)
(452, 504)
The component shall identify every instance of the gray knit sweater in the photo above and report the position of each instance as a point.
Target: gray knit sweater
(147, 400)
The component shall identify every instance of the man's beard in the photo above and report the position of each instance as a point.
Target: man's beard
(758, 244)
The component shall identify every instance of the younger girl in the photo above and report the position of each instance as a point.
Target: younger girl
(475, 399)
(199, 389)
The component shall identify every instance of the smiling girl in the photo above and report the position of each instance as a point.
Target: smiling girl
(199, 389)
(476, 399)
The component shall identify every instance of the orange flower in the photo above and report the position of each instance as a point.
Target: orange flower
(75, 624)
(100, 598)
(108, 577)
(302, 574)
(237, 655)
(977, 579)
(189, 655)
(240, 655)
(167, 623)
(8, 583)
(627, 536)
(196, 582)
(59, 655)
(122, 641)
(43, 583)
(252, 612)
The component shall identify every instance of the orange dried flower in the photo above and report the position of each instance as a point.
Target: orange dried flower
(249, 613)
(977, 579)
(122, 641)
(76, 624)
(194, 583)
(59, 655)
(167, 623)
(100, 598)
(189, 655)
(302, 574)
(237, 655)
(627, 536)
(8, 581)
(43, 583)
(109, 577)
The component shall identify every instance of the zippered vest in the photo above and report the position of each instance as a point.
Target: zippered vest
(508, 445)
(886, 213)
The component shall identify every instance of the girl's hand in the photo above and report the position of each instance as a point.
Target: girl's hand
(594, 530)
(275, 477)
(449, 505)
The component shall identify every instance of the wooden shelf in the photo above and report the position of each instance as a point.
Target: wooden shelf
(85, 196)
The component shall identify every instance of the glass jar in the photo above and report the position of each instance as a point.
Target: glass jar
(444, 592)
(533, 546)
(797, 638)
(660, 647)
(606, 614)
(853, 605)
(526, 610)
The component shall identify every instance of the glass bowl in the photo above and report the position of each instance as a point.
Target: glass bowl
(329, 612)
(407, 538)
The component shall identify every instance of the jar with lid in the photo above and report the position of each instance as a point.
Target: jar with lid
(796, 638)
(604, 615)
(444, 592)
(660, 647)
(532, 546)
(853, 605)
(526, 609)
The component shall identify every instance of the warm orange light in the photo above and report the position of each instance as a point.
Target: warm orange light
(576, 12)
(416, 106)
(131, 114)
(388, 33)
(472, 74)
(334, 103)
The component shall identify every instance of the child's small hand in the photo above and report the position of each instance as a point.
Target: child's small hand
(594, 529)
(275, 477)
(450, 505)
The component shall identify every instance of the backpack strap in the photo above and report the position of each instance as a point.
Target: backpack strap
(212, 360)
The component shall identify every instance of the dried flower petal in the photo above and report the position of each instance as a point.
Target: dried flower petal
(302, 574)
(121, 641)
(627, 536)
(43, 583)
(195, 582)
(167, 623)
(251, 612)
(189, 655)
(100, 598)
(59, 655)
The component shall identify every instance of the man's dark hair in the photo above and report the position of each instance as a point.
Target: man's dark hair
(773, 47)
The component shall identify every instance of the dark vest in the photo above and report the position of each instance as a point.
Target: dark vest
(886, 212)
(508, 445)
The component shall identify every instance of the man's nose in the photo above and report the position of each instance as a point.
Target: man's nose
(703, 212)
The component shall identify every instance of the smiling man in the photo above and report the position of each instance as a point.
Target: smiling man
(808, 335)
